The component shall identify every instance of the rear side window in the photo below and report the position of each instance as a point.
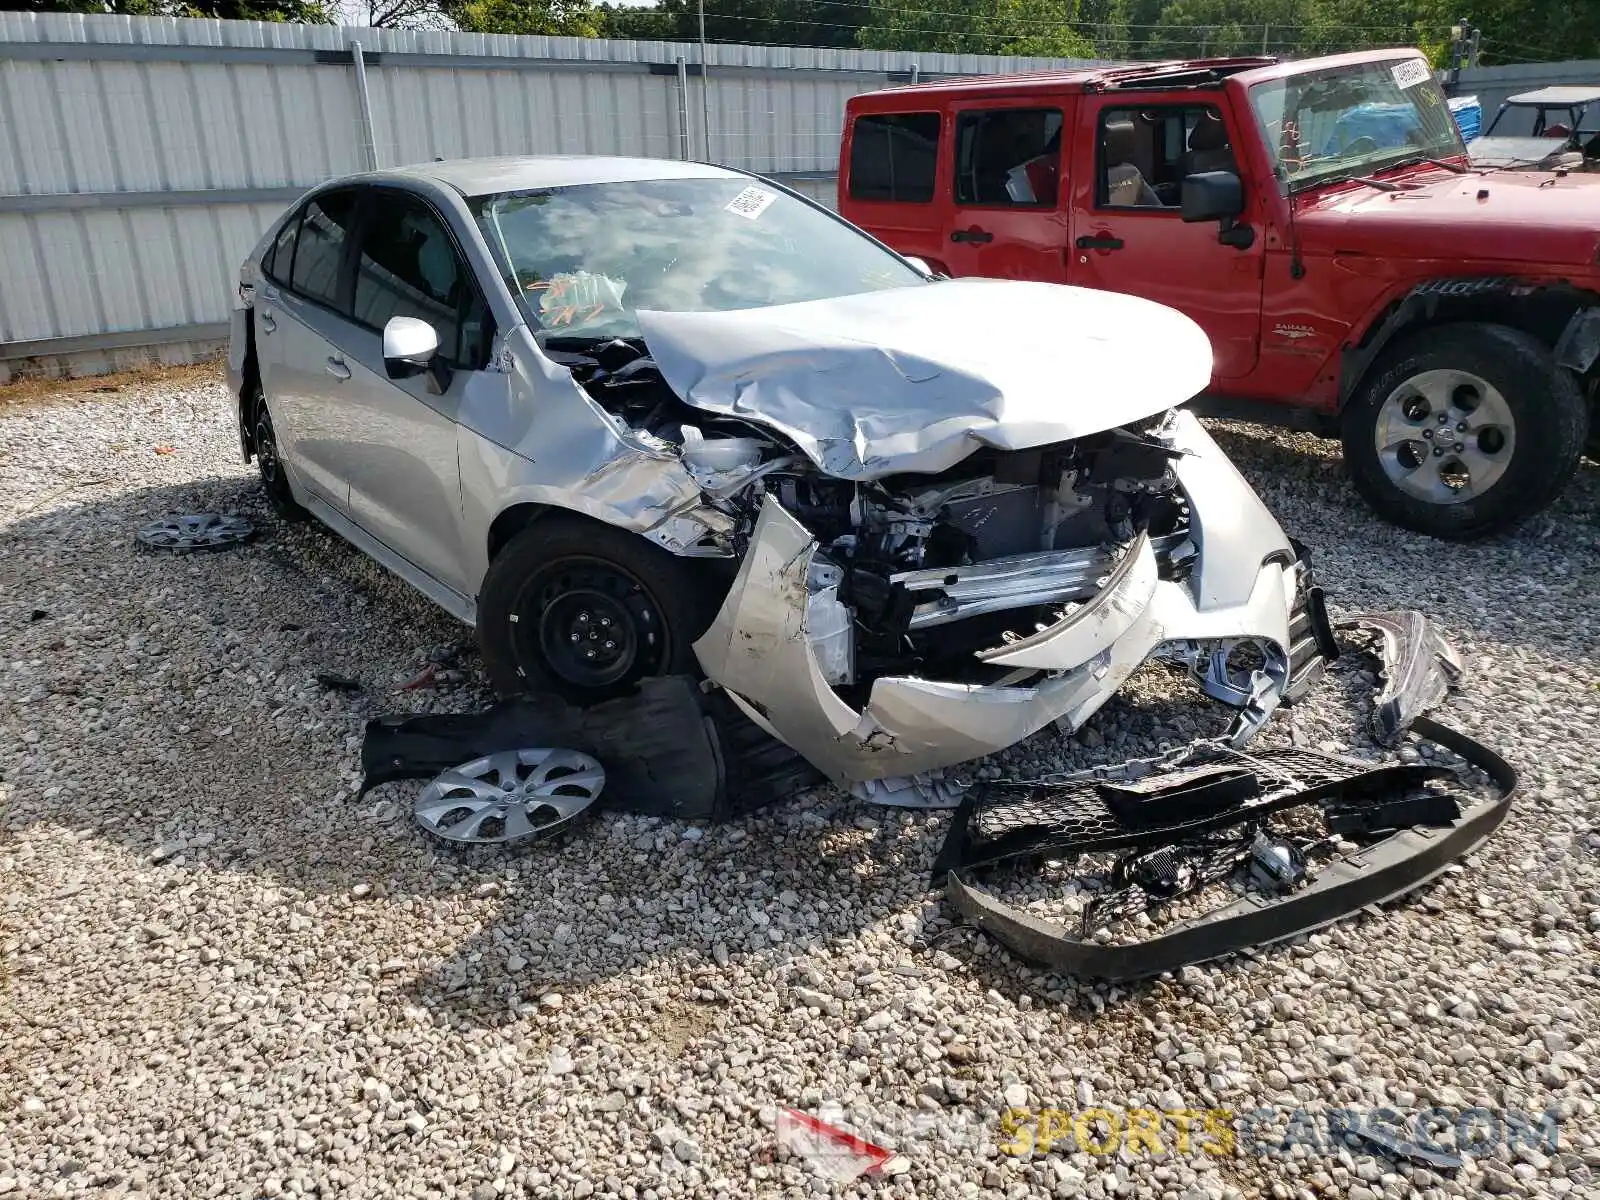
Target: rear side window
(319, 250)
(279, 258)
(1008, 156)
(893, 156)
(409, 267)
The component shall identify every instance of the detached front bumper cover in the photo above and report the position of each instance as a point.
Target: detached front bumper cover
(1162, 831)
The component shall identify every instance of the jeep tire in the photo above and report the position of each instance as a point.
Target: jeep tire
(1464, 430)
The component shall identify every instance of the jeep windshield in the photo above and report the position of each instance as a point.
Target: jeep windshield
(582, 260)
(1347, 121)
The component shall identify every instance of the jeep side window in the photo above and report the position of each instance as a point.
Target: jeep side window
(893, 156)
(1145, 153)
(1008, 156)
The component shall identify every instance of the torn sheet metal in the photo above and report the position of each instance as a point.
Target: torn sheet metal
(915, 379)
(1211, 849)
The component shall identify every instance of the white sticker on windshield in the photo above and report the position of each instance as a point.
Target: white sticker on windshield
(751, 202)
(1410, 73)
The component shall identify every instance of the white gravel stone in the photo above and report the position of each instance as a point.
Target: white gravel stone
(226, 1021)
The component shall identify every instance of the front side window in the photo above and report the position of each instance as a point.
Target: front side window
(583, 260)
(1144, 154)
(894, 156)
(409, 267)
(319, 249)
(1341, 122)
(1008, 156)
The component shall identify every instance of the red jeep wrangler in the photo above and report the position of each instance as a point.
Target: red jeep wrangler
(1317, 218)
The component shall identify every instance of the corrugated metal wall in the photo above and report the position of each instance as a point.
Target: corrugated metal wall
(141, 157)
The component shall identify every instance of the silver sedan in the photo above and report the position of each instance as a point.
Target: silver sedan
(635, 417)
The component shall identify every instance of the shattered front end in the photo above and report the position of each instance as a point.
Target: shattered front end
(1169, 554)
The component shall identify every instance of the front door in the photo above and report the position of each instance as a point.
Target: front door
(399, 448)
(1128, 234)
(1006, 221)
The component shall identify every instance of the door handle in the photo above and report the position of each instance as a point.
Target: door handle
(980, 236)
(338, 368)
(1102, 242)
(269, 323)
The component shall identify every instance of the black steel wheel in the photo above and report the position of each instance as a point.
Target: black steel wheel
(588, 610)
(273, 481)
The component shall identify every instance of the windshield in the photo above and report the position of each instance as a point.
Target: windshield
(1349, 120)
(582, 260)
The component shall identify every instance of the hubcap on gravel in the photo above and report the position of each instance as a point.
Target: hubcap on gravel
(511, 796)
(1445, 437)
(195, 531)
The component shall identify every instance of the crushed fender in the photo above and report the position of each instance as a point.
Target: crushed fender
(669, 750)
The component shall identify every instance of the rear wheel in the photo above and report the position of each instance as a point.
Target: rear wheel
(1464, 430)
(273, 481)
(587, 610)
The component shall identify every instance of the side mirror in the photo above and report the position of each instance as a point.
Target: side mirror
(921, 264)
(409, 347)
(1212, 196)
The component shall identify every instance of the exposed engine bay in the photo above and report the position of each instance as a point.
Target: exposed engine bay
(917, 573)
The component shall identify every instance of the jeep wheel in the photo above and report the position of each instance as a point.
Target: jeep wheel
(1464, 430)
(588, 610)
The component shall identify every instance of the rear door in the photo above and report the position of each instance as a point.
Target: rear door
(889, 185)
(1128, 234)
(400, 444)
(1006, 219)
(300, 319)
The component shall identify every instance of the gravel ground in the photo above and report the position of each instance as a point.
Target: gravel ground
(224, 975)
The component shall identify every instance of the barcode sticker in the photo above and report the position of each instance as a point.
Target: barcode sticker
(1410, 73)
(751, 202)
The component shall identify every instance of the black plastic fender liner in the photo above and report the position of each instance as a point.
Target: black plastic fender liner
(1343, 886)
(669, 750)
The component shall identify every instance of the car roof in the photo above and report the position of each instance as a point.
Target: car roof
(1587, 94)
(482, 176)
(1176, 73)
(1083, 79)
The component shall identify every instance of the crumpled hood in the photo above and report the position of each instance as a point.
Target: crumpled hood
(915, 379)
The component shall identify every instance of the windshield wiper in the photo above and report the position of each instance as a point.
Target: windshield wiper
(1417, 159)
(1381, 184)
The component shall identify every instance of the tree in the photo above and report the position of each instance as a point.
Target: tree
(563, 18)
(1046, 28)
(775, 22)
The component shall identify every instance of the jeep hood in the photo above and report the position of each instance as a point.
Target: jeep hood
(1506, 216)
(915, 379)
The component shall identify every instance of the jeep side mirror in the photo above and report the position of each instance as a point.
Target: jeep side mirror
(1212, 196)
(411, 347)
(1218, 196)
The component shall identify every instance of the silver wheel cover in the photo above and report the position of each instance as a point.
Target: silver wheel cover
(510, 796)
(1445, 437)
(195, 531)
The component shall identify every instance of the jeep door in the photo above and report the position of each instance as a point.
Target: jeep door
(1128, 233)
(1006, 213)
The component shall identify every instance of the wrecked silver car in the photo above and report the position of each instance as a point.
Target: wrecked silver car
(631, 418)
